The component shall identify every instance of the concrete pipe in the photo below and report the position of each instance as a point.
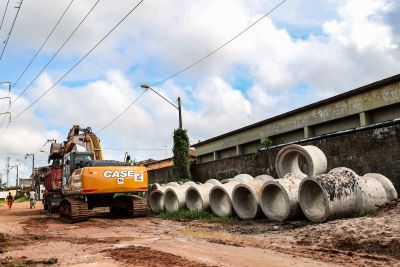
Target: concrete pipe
(391, 192)
(279, 198)
(156, 197)
(175, 197)
(330, 196)
(198, 197)
(287, 160)
(221, 195)
(375, 190)
(246, 197)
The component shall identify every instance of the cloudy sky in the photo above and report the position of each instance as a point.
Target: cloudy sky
(303, 52)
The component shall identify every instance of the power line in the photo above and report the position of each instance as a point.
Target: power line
(58, 51)
(121, 113)
(4, 15)
(219, 47)
(12, 27)
(45, 41)
(79, 61)
(194, 63)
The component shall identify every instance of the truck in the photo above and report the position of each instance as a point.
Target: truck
(79, 179)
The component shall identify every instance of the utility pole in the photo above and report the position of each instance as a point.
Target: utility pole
(17, 180)
(180, 113)
(7, 169)
(33, 161)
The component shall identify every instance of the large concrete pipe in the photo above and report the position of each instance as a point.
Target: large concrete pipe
(246, 197)
(175, 197)
(375, 190)
(198, 197)
(279, 198)
(156, 197)
(330, 196)
(391, 192)
(287, 160)
(221, 195)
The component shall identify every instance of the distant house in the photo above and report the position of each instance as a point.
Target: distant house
(152, 164)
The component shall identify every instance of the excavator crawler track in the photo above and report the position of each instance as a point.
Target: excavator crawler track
(74, 210)
(134, 206)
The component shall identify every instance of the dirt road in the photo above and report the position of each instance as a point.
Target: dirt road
(36, 238)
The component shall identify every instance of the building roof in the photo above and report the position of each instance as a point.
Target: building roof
(356, 91)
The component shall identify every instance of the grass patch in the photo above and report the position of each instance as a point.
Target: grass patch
(203, 216)
(3, 202)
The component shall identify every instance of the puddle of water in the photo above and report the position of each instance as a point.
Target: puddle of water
(120, 238)
(212, 235)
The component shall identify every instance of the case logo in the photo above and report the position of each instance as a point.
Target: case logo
(119, 174)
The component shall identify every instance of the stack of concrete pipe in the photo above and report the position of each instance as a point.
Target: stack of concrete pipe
(342, 193)
(304, 189)
(279, 197)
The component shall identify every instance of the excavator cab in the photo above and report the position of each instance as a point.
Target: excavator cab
(76, 160)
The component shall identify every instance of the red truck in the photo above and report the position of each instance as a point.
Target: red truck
(52, 184)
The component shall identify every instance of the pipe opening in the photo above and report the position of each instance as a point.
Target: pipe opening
(193, 200)
(244, 203)
(312, 201)
(156, 201)
(171, 202)
(220, 203)
(274, 204)
(295, 162)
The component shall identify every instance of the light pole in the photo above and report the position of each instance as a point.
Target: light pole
(145, 86)
(17, 181)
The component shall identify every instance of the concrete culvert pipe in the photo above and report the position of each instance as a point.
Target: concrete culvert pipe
(156, 197)
(175, 197)
(221, 195)
(246, 197)
(287, 160)
(279, 198)
(329, 196)
(375, 190)
(198, 197)
(391, 192)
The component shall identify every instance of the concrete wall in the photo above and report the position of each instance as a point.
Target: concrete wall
(374, 103)
(371, 150)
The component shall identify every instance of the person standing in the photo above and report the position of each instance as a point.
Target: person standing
(10, 200)
(32, 199)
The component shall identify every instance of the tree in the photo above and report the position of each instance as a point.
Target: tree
(181, 154)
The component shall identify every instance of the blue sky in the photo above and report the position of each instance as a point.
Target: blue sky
(303, 52)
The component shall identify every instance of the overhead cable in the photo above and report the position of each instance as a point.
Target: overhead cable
(45, 41)
(194, 63)
(76, 64)
(4, 15)
(12, 27)
(58, 51)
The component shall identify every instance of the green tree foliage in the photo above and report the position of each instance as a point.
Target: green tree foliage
(181, 154)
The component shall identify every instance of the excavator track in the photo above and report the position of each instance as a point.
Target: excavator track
(74, 210)
(134, 206)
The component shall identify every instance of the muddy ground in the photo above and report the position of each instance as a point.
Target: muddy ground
(37, 238)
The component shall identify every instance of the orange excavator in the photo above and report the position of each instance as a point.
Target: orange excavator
(89, 181)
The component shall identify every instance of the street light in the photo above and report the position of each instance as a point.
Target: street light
(17, 181)
(145, 86)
